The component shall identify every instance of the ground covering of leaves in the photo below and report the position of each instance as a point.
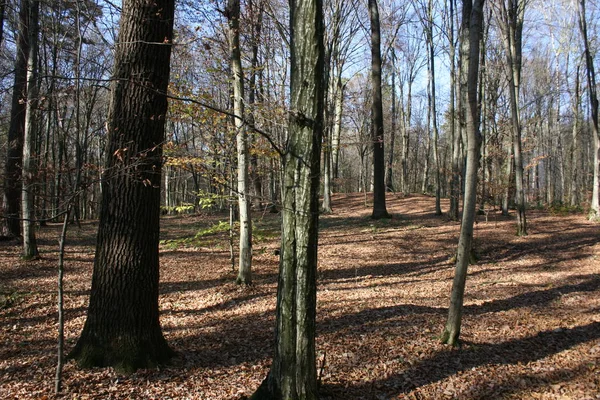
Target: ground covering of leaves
(531, 325)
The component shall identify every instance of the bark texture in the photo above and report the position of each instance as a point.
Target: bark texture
(473, 21)
(243, 192)
(30, 249)
(122, 327)
(14, 155)
(293, 374)
(379, 207)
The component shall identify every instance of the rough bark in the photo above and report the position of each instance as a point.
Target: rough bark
(14, 156)
(30, 249)
(122, 328)
(245, 257)
(379, 207)
(473, 21)
(293, 374)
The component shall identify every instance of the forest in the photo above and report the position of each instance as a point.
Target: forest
(263, 199)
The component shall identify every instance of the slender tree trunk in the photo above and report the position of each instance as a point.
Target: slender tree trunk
(512, 17)
(14, 156)
(454, 136)
(245, 257)
(379, 206)
(122, 328)
(293, 374)
(593, 95)
(255, 176)
(389, 177)
(432, 106)
(337, 126)
(427, 153)
(58, 378)
(575, 172)
(406, 139)
(473, 16)
(30, 249)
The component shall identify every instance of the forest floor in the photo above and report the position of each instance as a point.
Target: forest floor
(531, 324)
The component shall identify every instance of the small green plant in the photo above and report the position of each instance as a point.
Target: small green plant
(564, 209)
(9, 297)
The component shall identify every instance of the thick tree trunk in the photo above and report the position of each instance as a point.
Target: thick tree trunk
(14, 156)
(473, 21)
(30, 249)
(122, 327)
(379, 206)
(245, 257)
(293, 374)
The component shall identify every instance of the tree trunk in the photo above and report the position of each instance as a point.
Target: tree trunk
(511, 24)
(406, 139)
(122, 327)
(389, 177)
(593, 95)
(257, 16)
(30, 249)
(14, 156)
(454, 136)
(575, 172)
(245, 258)
(337, 126)
(379, 207)
(432, 105)
(293, 374)
(473, 21)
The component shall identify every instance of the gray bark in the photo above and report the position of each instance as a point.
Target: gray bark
(30, 249)
(473, 21)
(293, 374)
(245, 256)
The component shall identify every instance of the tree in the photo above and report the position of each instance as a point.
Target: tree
(593, 94)
(293, 374)
(379, 207)
(30, 249)
(472, 22)
(245, 259)
(122, 328)
(14, 156)
(511, 14)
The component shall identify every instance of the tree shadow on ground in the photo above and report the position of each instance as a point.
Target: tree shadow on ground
(452, 361)
(389, 316)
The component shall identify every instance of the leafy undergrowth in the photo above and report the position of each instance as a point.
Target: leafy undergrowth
(531, 326)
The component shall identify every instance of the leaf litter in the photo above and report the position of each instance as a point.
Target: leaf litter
(531, 324)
